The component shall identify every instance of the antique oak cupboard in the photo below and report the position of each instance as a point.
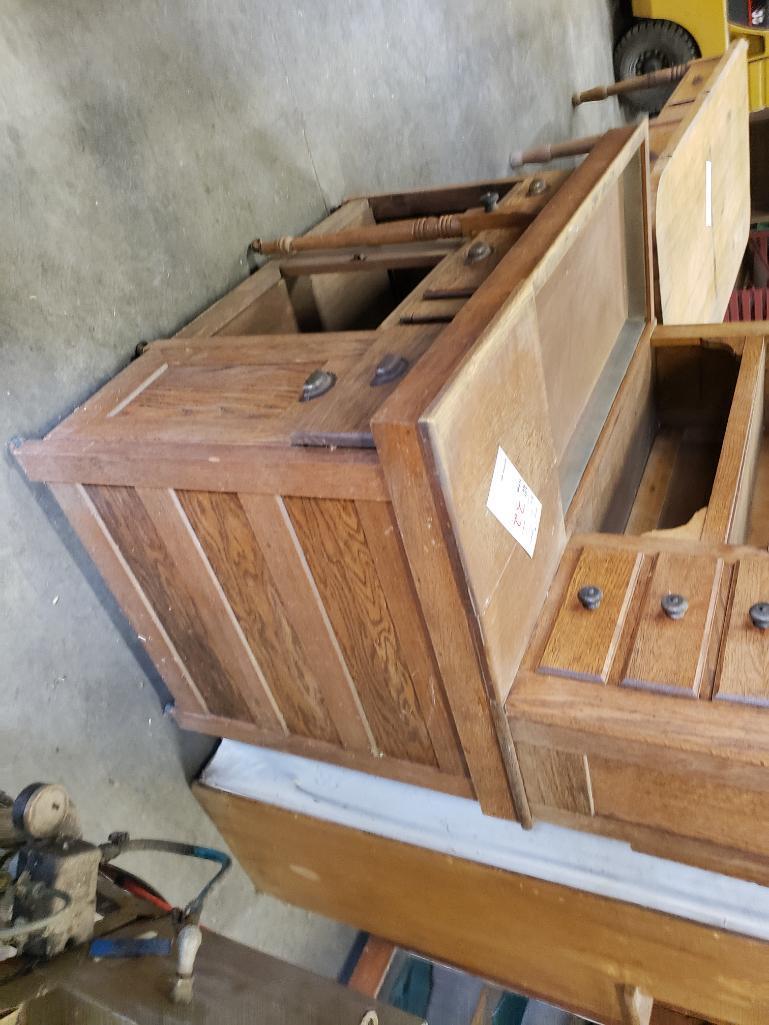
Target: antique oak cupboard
(328, 577)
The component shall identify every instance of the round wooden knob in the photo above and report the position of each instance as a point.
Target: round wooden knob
(590, 597)
(674, 606)
(759, 615)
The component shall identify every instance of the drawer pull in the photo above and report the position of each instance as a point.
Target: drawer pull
(759, 615)
(590, 597)
(477, 252)
(317, 384)
(674, 606)
(389, 368)
(489, 201)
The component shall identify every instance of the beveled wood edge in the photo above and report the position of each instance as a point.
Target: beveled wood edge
(721, 740)
(426, 776)
(271, 470)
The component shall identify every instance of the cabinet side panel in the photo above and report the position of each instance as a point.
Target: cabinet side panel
(334, 545)
(85, 520)
(180, 595)
(223, 530)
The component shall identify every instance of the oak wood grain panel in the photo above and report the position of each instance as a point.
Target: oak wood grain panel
(744, 672)
(291, 575)
(281, 349)
(422, 518)
(557, 779)
(89, 525)
(177, 586)
(683, 804)
(669, 655)
(384, 542)
(473, 418)
(577, 330)
(339, 558)
(461, 912)
(582, 642)
(652, 491)
(223, 530)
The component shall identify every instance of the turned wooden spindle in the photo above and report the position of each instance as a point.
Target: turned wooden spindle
(415, 229)
(553, 151)
(629, 85)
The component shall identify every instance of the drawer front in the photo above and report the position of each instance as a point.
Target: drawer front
(583, 640)
(744, 674)
(669, 654)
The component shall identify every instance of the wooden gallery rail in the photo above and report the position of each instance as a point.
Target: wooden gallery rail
(456, 513)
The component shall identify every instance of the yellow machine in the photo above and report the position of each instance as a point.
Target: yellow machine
(669, 32)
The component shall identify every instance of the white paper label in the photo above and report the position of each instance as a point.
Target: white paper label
(514, 504)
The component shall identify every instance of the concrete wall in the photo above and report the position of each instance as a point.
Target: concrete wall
(142, 145)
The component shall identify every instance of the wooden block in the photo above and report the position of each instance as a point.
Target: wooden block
(555, 779)
(744, 674)
(582, 643)
(669, 655)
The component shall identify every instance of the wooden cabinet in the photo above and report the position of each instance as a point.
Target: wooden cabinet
(352, 509)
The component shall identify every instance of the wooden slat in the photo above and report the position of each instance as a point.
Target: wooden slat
(681, 803)
(669, 655)
(225, 535)
(582, 642)
(384, 542)
(512, 929)
(88, 524)
(283, 555)
(652, 491)
(365, 258)
(315, 472)
(177, 583)
(372, 967)
(270, 314)
(727, 514)
(744, 672)
(233, 304)
(555, 779)
(378, 764)
(344, 572)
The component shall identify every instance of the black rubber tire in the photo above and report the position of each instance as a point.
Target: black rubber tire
(648, 46)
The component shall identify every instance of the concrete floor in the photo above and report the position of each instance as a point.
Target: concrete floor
(142, 146)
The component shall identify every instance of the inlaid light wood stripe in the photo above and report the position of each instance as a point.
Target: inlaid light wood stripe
(228, 609)
(83, 516)
(138, 390)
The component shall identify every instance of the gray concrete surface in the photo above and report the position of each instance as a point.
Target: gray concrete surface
(141, 146)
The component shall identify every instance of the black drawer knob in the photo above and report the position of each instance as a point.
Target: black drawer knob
(590, 597)
(489, 201)
(674, 606)
(759, 615)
